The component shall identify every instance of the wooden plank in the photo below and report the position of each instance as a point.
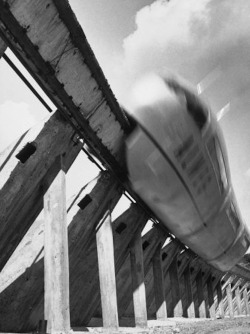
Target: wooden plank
(160, 302)
(106, 265)
(56, 265)
(137, 272)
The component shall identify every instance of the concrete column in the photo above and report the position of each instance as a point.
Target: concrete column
(56, 266)
(245, 297)
(210, 292)
(188, 309)
(238, 300)
(106, 266)
(176, 307)
(200, 295)
(220, 300)
(230, 300)
(138, 285)
(160, 302)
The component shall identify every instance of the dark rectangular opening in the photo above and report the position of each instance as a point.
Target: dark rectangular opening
(26, 152)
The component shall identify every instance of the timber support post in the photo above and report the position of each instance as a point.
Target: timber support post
(220, 300)
(188, 308)
(106, 265)
(138, 285)
(175, 289)
(238, 300)
(200, 295)
(56, 265)
(245, 297)
(230, 301)
(159, 291)
(210, 292)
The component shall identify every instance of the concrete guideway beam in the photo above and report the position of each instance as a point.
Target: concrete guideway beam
(63, 63)
(24, 165)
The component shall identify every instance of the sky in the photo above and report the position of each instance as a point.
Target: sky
(205, 41)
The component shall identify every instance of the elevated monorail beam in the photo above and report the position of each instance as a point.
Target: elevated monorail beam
(50, 43)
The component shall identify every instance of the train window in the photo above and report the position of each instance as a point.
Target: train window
(196, 110)
(232, 215)
(195, 107)
(217, 160)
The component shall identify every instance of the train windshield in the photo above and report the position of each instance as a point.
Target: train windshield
(217, 160)
(195, 107)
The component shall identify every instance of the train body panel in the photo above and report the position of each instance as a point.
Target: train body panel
(178, 165)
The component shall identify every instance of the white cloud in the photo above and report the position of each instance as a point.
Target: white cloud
(15, 119)
(191, 38)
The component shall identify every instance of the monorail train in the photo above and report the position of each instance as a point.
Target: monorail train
(177, 163)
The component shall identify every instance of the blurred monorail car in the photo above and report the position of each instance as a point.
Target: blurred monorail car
(177, 163)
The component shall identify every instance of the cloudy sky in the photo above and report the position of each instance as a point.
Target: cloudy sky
(205, 41)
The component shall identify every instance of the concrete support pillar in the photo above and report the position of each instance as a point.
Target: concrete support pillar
(138, 285)
(238, 300)
(176, 306)
(230, 300)
(160, 302)
(245, 297)
(56, 266)
(106, 265)
(200, 295)
(220, 300)
(188, 307)
(210, 292)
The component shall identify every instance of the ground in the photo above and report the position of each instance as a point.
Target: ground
(227, 326)
(239, 325)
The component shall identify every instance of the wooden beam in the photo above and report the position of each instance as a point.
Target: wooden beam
(188, 305)
(124, 228)
(24, 165)
(160, 301)
(220, 300)
(238, 300)
(3, 47)
(176, 308)
(25, 269)
(200, 295)
(150, 242)
(56, 267)
(230, 300)
(137, 272)
(210, 291)
(94, 112)
(246, 301)
(106, 265)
